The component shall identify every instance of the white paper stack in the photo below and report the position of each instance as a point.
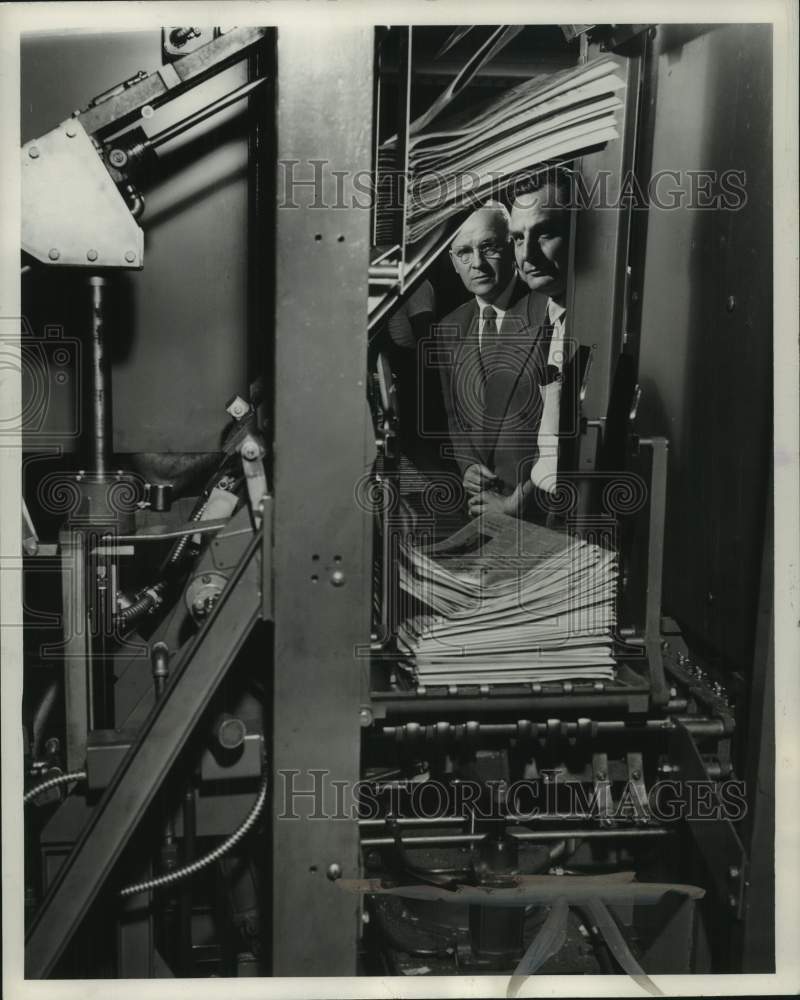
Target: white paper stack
(509, 602)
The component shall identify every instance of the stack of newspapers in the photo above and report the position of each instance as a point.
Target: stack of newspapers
(548, 118)
(504, 601)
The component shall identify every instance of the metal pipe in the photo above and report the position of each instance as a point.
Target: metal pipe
(423, 732)
(544, 835)
(100, 392)
(173, 131)
(448, 820)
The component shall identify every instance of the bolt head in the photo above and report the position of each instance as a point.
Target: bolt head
(130, 256)
(71, 131)
(54, 253)
(117, 158)
(334, 871)
(337, 578)
(365, 717)
(91, 255)
(33, 152)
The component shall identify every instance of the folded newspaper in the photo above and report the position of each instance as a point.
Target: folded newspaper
(506, 601)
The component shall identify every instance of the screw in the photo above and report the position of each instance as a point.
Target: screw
(71, 131)
(91, 255)
(130, 256)
(334, 871)
(33, 152)
(54, 253)
(337, 578)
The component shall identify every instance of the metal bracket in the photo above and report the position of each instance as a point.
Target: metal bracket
(638, 790)
(72, 213)
(602, 789)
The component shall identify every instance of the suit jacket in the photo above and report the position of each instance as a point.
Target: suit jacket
(494, 396)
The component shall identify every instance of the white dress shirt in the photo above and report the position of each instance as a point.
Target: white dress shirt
(545, 468)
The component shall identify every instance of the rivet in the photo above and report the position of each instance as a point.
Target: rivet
(71, 131)
(91, 255)
(33, 152)
(147, 111)
(337, 578)
(54, 253)
(334, 871)
(130, 256)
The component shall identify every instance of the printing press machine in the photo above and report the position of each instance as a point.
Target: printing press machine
(224, 653)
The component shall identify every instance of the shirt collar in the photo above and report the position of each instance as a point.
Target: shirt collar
(501, 303)
(555, 311)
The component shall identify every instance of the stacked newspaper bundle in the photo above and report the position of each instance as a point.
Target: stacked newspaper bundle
(549, 117)
(509, 602)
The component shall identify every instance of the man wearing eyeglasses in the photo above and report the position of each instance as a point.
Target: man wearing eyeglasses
(493, 368)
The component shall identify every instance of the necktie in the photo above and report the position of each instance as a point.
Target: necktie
(489, 333)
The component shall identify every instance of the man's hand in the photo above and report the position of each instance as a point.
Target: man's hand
(489, 502)
(477, 478)
(493, 503)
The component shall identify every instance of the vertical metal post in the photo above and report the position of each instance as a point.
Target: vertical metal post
(322, 534)
(657, 517)
(100, 392)
(76, 646)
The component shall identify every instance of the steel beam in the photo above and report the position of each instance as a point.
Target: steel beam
(322, 535)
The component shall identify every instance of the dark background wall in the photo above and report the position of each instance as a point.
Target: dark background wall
(178, 336)
(705, 361)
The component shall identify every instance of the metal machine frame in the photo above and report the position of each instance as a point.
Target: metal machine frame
(296, 565)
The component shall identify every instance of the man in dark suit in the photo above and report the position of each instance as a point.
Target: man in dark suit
(493, 353)
(540, 230)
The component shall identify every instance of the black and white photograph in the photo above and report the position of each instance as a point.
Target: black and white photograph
(400, 543)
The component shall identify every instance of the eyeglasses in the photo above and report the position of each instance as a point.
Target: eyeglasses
(488, 250)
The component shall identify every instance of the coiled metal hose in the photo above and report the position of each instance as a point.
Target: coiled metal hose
(59, 779)
(207, 859)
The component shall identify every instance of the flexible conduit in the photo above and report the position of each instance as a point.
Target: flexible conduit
(59, 779)
(207, 859)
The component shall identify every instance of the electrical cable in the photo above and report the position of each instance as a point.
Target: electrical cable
(59, 779)
(206, 859)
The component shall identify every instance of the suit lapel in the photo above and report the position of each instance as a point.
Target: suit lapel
(514, 370)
